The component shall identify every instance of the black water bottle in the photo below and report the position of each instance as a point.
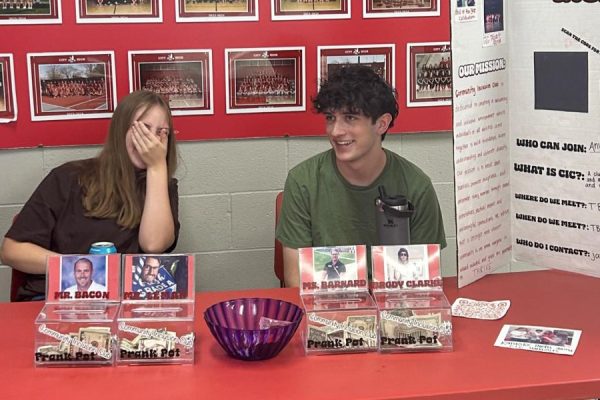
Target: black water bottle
(393, 218)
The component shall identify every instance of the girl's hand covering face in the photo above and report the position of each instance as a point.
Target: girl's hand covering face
(150, 145)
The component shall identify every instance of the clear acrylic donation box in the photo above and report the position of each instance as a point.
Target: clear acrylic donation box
(156, 320)
(414, 313)
(341, 315)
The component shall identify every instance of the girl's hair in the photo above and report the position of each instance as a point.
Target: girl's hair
(111, 186)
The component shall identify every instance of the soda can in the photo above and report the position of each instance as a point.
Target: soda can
(103, 248)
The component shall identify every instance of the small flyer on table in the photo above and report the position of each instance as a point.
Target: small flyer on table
(539, 338)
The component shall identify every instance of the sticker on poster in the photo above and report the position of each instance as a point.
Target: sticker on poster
(493, 23)
(400, 8)
(216, 11)
(310, 9)
(8, 106)
(183, 77)
(261, 80)
(379, 57)
(466, 10)
(77, 85)
(428, 74)
(115, 12)
(30, 12)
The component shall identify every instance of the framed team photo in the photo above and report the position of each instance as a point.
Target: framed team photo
(158, 277)
(216, 10)
(83, 277)
(310, 9)
(183, 77)
(76, 85)
(8, 106)
(379, 57)
(428, 74)
(118, 11)
(22, 12)
(400, 8)
(406, 267)
(265, 80)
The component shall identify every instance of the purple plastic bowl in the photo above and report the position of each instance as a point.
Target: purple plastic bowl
(235, 325)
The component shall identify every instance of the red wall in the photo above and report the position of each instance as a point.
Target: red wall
(69, 36)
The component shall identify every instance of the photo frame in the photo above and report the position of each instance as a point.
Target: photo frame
(310, 9)
(67, 273)
(379, 57)
(261, 80)
(400, 8)
(75, 85)
(118, 11)
(428, 74)
(332, 268)
(30, 12)
(405, 267)
(183, 77)
(216, 10)
(8, 105)
(158, 277)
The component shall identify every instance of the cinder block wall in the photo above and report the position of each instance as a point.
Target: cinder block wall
(227, 195)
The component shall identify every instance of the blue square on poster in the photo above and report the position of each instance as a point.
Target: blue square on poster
(561, 81)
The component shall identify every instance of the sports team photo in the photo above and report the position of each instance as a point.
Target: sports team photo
(380, 58)
(265, 80)
(22, 12)
(115, 11)
(309, 9)
(399, 8)
(71, 86)
(183, 78)
(429, 74)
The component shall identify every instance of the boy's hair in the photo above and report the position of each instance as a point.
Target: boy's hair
(357, 89)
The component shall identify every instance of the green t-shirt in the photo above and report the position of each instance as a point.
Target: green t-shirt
(320, 208)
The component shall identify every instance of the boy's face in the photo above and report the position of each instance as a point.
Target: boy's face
(354, 136)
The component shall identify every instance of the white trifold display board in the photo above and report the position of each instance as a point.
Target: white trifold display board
(526, 112)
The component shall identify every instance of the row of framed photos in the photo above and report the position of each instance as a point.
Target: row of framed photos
(80, 85)
(142, 11)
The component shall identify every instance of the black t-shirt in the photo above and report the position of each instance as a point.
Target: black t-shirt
(54, 218)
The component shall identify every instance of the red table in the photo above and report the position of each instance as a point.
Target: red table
(474, 370)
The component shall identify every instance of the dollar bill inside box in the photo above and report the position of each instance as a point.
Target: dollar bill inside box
(161, 332)
(156, 320)
(341, 315)
(75, 334)
(77, 325)
(414, 313)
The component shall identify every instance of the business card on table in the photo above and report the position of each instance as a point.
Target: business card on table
(539, 338)
(469, 308)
